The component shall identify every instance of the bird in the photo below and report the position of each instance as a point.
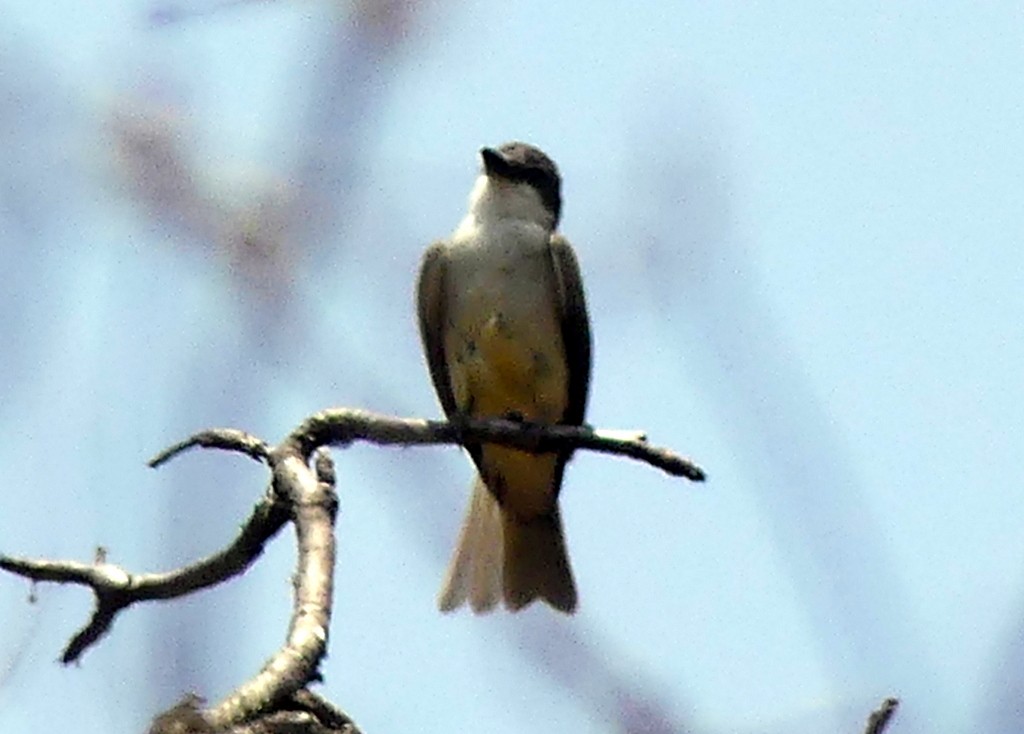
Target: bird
(506, 334)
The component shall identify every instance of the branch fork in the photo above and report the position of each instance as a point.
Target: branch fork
(277, 698)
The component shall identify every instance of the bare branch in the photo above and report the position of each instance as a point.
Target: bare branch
(314, 506)
(303, 713)
(880, 717)
(342, 426)
(116, 588)
(291, 722)
(276, 698)
(324, 710)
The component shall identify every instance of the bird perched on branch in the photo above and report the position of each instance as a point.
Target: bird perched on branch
(506, 334)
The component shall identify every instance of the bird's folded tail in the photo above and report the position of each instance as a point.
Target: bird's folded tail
(474, 573)
(536, 562)
(499, 555)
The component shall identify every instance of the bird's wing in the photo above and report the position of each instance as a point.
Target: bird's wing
(432, 305)
(575, 327)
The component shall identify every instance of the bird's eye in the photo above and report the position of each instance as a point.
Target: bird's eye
(533, 175)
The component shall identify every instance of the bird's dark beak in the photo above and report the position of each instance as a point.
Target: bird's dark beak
(494, 162)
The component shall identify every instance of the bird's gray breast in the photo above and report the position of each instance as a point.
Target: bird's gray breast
(505, 268)
(503, 340)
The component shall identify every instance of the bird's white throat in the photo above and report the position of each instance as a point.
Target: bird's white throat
(497, 201)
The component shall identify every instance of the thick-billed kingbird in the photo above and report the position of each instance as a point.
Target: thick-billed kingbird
(506, 334)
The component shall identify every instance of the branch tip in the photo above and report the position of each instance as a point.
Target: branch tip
(880, 717)
(226, 439)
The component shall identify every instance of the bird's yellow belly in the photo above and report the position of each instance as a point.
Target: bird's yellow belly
(504, 368)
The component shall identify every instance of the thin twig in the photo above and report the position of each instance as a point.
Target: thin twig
(880, 717)
(227, 439)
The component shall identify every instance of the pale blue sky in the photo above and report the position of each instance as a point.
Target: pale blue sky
(800, 229)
